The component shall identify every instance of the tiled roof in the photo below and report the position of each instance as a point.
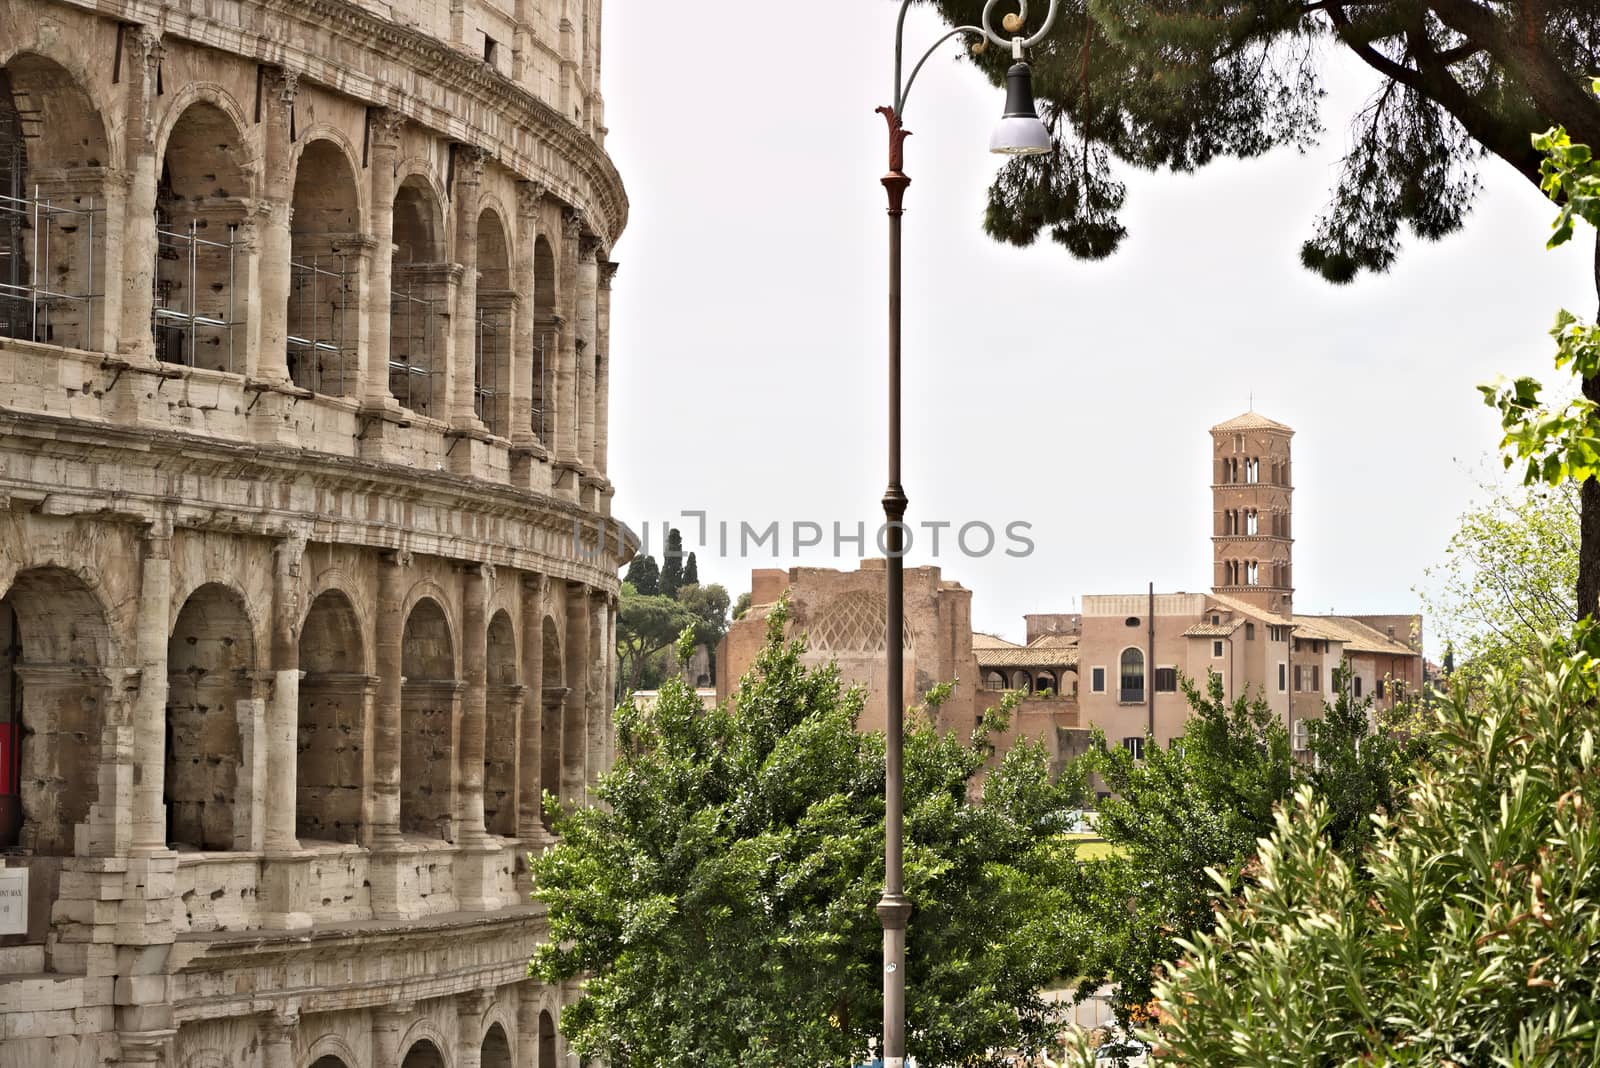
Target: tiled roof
(1356, 636)
(981, 640)
(1246, 608)
(1020, 656)
(1211, 630)
(1251, 421)
(1054, 641)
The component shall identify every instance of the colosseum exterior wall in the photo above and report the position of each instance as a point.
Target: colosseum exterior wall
(307, 580)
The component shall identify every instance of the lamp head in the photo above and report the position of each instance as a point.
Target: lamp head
(1020, 132)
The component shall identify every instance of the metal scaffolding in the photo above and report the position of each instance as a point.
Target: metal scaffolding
(47, 264)
(186, 262)
(489, 352)
(321, 341)
(542, 376)
(411, 335)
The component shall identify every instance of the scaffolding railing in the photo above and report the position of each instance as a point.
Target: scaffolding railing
(321, 342)
(411, 350)
(489, 351)
(179, 326)
(541, 410)
(38, 236)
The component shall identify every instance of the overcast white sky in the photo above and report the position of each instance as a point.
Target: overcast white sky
(748, 329)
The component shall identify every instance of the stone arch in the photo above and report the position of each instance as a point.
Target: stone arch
(211, 708)
(53, 642)
(54, 159)
(495, 1051)
(329, 779)
(425, 1053)
(429, 708)
(1044, 681)
(424, 1032)
(994, 680)
(546, 334)
(419, 287)
(503, 702)
(547, 1040)
(552, 704)
(204, 195)
(326, 242)
(496, 313)
(1021, 680)
(330, 1051)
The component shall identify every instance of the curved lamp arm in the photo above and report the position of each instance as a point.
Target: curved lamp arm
(985, 33)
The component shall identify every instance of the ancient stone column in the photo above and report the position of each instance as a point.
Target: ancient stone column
(474, 658)
(274, 213)
(602, 368)
(388, 1027)
(599, 697)
(586, 347)
(470, 1009)
(386, 127)
(150, 719)
(530, 783)
(138, 235)
(528, 1023)
(277, 1039)
(386, 735)
(283, 714)
(566, 377)
(469, 183)
(574, 725)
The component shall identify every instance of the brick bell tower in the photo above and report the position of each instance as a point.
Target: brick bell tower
(1251, 489)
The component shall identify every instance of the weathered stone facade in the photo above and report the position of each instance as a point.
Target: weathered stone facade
(304, 364)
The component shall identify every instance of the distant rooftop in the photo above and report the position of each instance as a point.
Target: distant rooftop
(1251, 421)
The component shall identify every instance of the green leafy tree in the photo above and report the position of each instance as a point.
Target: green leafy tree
(742, 605)
(672, 564)
(719, 903)
(1470, 933)
(1201, 804)
(1509, 576)
(691, 572)
(709, 607)
(643, 575)
(647, 626)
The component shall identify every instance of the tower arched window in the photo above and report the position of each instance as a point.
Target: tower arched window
(1252, 522)
(1131, 675)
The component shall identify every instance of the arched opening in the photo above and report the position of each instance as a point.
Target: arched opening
(53, 640)
(324, 272)
(201, 201)
(547, 1041)
(496, 311)
(1131, 671)
(502, 701)
(1044, 683)
(545, 336)
(496, 1052)
(210, 670)
(53, 157)
(328, 1060)
(555, 695)
(994, 680)
(428, 703)
(329, 780)
(1020, 680)
(418, 284)
(423, 1054)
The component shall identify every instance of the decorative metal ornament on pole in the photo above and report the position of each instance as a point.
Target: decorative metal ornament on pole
(1020, 133)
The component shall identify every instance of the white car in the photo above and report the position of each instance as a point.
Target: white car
(1122, 1052)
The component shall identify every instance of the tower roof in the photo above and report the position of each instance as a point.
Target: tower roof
(1251, 421)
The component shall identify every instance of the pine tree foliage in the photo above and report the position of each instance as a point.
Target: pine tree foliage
(1178, 83)
(672, 564)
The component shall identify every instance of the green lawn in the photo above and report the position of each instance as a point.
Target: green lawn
(1092, 846)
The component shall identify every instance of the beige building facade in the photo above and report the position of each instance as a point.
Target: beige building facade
(304, 595)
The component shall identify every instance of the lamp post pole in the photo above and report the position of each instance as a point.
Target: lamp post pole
(1019, 133)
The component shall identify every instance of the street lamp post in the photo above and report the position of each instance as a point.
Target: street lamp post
(1019, 133)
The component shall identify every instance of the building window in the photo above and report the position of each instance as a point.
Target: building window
(1166, 680)
(1135, 746)
(1249, 632)
(1302, 735)
(1252, 522)
(1216, 621)
(1358, 685)
(489, 48)
(1379, 690)
(1316, 678)
(1097, 680)
(1216, 649)
(1131, 676)
(994, 681)
(1283, 677)
(1299, 679)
